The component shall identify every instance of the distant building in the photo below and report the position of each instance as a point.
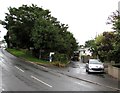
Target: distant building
(82, 55)
(3, 44)
(85, 51)
(85, 54)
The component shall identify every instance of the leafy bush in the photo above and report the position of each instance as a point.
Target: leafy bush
(58, 64)
(117, 65)
(60, 57)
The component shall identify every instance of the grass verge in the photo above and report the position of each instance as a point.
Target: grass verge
(24, 54)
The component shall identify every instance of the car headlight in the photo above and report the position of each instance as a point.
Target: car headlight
(102, 66)
(90, 67)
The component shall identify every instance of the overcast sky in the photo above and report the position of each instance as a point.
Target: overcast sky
(85, 18)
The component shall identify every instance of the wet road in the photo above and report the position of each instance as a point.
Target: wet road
(17, 75)
(77, 70)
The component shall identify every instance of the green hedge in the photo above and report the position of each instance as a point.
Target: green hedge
(117, 65)
(58, 57)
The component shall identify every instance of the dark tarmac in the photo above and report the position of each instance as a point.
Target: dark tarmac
(17, 75)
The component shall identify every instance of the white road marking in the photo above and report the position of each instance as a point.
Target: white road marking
(82, 84)
(1, 55)
(19, 69)
(1, 59)
(83, 73)
(82, 67)
(41, 81)
(43, 67)
(3, 89)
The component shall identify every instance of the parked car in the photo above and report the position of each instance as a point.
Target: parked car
(94, 65)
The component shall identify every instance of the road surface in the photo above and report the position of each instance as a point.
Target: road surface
(17, 75)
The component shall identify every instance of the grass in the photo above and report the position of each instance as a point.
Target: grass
(60, 64)
(24, 54)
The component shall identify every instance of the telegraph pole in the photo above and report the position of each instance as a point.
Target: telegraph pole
(119, 6)
(0, 41)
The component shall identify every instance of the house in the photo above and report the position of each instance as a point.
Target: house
(3, 44)
(85, 51)
(85, 54)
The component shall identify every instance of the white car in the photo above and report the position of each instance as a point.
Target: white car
(94, 65)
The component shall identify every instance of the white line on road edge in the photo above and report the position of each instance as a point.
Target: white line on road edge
(1, 55)
(41, 81)
(19, 69)
(43, 67)
(82, 84)
(3, 89)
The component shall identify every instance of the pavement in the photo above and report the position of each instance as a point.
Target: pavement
(77, 70)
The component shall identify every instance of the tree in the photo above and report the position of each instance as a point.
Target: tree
(51, 36)
(107, 44)
(104, 43)
(93, 48)
(102, 46)
(32, 26)
(114, 19)
(19, 23)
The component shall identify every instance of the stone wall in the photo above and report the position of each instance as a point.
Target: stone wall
(114, 71)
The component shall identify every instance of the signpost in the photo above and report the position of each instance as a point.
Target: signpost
(50, 56)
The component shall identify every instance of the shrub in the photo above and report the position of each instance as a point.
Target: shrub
(60, 57)
(58, 64)
(117, 65)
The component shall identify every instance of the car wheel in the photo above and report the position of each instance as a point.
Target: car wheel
(88, 71)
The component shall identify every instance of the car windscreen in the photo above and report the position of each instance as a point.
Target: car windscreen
(94, 62)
